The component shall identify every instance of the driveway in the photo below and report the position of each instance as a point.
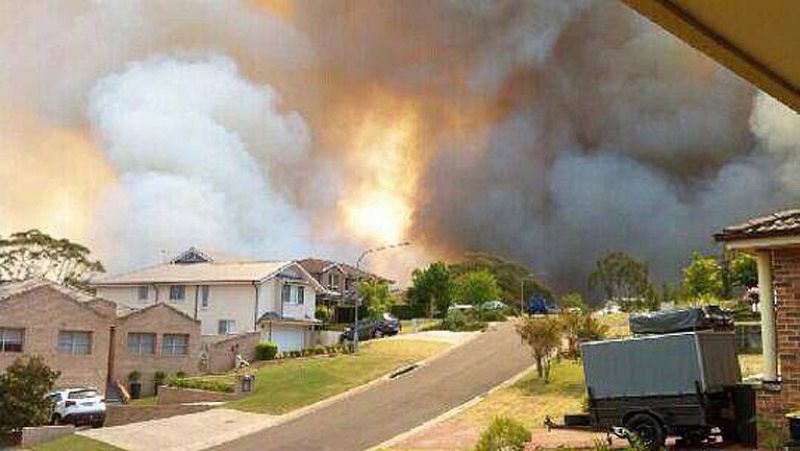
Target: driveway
(384, 410)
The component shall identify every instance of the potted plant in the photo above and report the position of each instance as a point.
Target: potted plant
(135, 384)
(158, 379)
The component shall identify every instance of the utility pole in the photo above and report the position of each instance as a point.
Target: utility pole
(358, 280)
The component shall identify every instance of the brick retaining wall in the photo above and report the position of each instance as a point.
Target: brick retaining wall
(117, 415)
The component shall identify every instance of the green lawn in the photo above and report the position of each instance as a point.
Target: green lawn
(73, 442)
(291, 384)
(410, 326)
(530, 400)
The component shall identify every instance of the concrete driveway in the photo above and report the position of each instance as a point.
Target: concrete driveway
(384, 410)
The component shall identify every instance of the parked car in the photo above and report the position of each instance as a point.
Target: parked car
(78, 406)
(389, 325)
(367, 328)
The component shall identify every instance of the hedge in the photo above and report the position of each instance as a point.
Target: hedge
(409, 311)
(266, 350)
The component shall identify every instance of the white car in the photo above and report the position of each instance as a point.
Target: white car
(78, 406)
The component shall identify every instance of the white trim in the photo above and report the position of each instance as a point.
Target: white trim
(754, 244)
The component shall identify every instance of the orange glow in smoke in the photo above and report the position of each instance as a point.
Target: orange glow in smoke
(52, 177)
(387, 160)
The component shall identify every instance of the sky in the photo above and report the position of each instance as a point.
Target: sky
(546, 132)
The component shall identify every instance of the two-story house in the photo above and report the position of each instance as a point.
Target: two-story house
(227, 295)
(339, 280)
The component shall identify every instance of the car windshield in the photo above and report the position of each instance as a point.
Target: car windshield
(83, 394)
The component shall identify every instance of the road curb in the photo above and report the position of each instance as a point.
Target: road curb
(450, 413)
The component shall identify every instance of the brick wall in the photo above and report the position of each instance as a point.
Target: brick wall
(222, 353)
(118, 414)
(773, 405)
(158, 319)
(44, 311)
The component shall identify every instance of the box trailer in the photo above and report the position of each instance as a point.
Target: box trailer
(681, 384)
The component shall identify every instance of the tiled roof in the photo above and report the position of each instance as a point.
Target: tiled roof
(9, 289)
(777, 224)
(253, 271)
(318, 265)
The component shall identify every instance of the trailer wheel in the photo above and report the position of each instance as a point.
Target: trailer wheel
(647, 431)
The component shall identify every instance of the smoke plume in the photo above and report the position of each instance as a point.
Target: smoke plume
(549, 132)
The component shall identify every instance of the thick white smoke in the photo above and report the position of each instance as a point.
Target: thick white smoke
(186, 138)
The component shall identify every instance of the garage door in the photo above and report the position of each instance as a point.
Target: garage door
(288, 339)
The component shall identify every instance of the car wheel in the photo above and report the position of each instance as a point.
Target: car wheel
(647, 431)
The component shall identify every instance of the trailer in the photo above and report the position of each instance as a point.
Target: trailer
(668, 383)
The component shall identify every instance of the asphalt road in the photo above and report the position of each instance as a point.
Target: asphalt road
(387, 409)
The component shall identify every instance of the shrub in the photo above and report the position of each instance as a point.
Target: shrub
(23, 388)
(218, 385)
(458, 321)
(159, 377)
(319, 349)
(134, 376)
(180, 374)
(322, 313)
(504, 434)
(408, 311)
(266, 350)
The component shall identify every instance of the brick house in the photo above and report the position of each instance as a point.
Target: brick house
(339, 279)
(90, 340)
(775, 242)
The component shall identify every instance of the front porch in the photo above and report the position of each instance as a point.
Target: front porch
(775, 242)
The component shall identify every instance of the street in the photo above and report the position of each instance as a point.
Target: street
(373, 416)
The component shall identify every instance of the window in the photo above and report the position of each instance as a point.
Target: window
(75, 342)
(226, 326)
(141, 344)
(301, 294)
(83, 394)
(11, 340)
(177, 292)
(175, 344)
(204, 296)
(143, 293)
(286, 292)
(333, 280)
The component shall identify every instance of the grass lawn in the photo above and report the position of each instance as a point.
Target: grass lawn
(145, 401)
(291, 384)
(73, 442)
(530, 400)
(410, 326)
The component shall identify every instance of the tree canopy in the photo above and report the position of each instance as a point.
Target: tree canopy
(476, 287)
(432, 287)
(511, 276)
(702, 278)
(376, 297)
(622, 279)
(25, 255)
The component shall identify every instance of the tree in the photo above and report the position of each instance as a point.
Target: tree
(574, 301)
(476, 287)
(702, 278)
(579, 327)
(376, 297)
(432, 287)
(25, 255)
(512, 277)
(543, 335)
(744, 273)
(622, 279)
(23, 388)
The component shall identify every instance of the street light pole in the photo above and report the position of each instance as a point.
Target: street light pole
(358, 279)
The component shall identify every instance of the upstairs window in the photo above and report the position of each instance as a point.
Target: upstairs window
(143, 293)
(286, 293)
(141, 344)
(226, 326)
(11, 340)
(333, 280)
(74, 342)
(175, 345)
(204, 292)
(301, 294)
(177, 292)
